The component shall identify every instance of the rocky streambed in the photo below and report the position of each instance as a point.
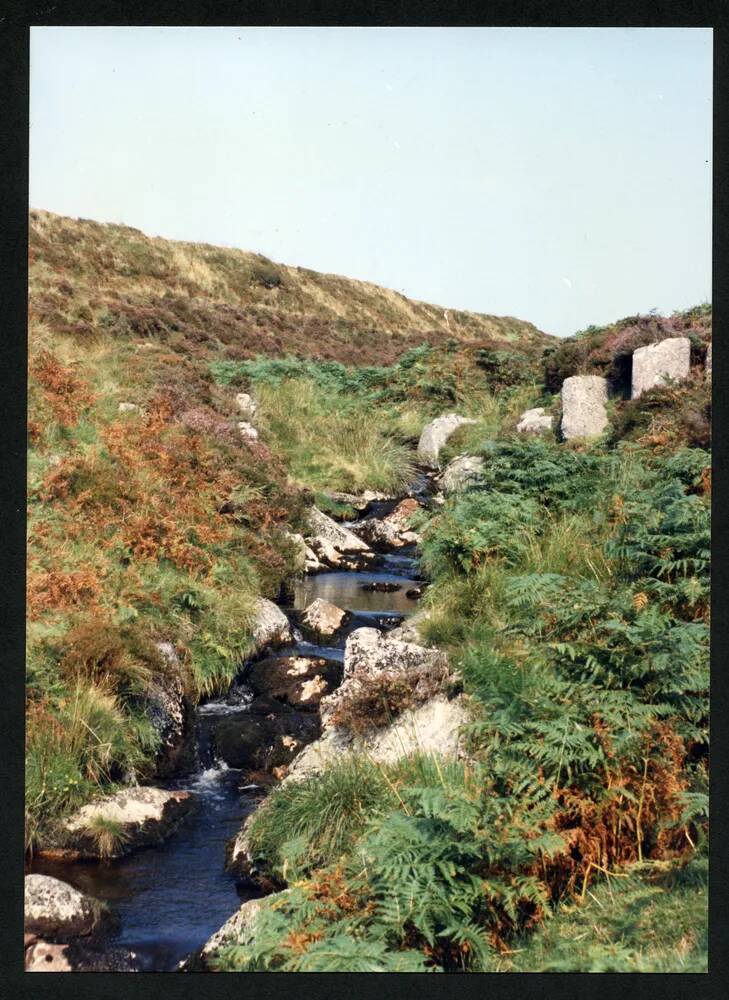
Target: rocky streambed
(166, 898)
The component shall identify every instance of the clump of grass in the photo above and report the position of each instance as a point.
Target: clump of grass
(108, 835)
(308, 823)
(330, 442)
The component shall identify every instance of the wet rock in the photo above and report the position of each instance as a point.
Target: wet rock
(461, 472)
(534, 421)
(271, 627)
(583, 406)
(247, 406)
(392, 531)
(165, 705)
(381, 587)
(655, 364)
(259, 742)
(414, 593)
(322, 619)
(139, 817)
(301, 681)
(55, 910)
(247, 431)
(435, 434)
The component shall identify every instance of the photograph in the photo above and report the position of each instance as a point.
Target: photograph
(369, 480)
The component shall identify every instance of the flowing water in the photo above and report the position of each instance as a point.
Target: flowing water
(170, 899)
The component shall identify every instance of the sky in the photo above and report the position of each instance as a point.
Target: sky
(562, 176)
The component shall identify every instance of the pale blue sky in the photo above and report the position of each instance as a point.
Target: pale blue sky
(559, 175)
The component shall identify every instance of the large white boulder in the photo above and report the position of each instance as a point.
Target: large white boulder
(461, 472)
(435, 434)
(247, 431)
(583, 406)
(655, 364)
(53, 909)
(534, 421)
(321, 526)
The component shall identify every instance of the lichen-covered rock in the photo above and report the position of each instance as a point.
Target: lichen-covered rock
(139, 816)
(271, 626)
(241, 927)
(431, 728)
(655, 364)
(323, 527)
(461, 472)
(583, 406)
(409, 631)
(369, 653)
(247, 431)
(79, 956)
(247, 406)
(534, 421)
(435, 434)
(58, 912)
(322, 618)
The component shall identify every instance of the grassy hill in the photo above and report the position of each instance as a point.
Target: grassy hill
(89, 279)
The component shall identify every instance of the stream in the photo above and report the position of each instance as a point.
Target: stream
(171, 898)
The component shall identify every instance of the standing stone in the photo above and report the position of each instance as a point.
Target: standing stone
(655, 364)
(534, 421)
(435, 434)
(583, 406)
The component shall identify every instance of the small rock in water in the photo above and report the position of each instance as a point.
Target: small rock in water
(381, 587)
(414, 592)
(323, 618)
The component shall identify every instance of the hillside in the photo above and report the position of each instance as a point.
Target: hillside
(88, 278)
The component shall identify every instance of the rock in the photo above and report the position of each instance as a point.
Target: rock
(583, 406)
(78, 956)
(129, 408)
(323, 619)
(42, 956)
(247, 431)
(656, 363)
(323, 527)
(247, 406)
(55, 910)
(271, 626)
(142, 816)
(368, 653)
(435, 434)
(392, 531)
(241, 927)
(534, 421)
(707, 363)
(409, 631)
(260, 742)
(301, 681)
(165, 705)
(431, 728)
(461, 472)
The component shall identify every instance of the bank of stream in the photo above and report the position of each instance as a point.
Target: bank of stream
(171, 898)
